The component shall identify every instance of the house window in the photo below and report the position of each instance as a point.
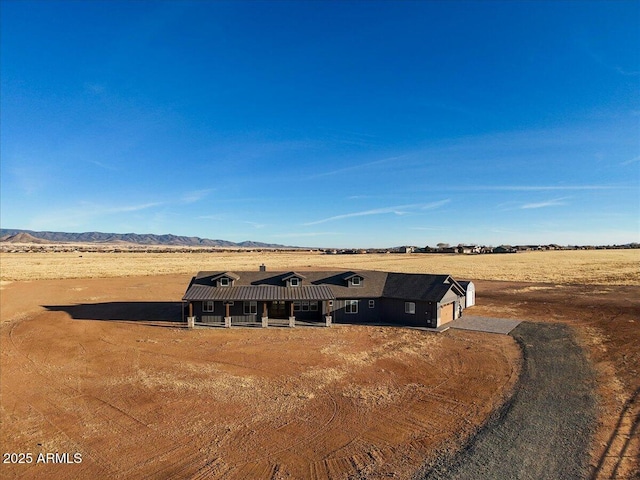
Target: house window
(313, 306)
(296, 306)
(410, 307)
(294, 282)
(355, 281)
(207, 306)
(224, 282)
(305, 306)
(372, 303)
(250, 308)
(351, 306)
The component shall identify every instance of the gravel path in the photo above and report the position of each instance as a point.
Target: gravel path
(543, 432)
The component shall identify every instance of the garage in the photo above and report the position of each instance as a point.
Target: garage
(446, 313)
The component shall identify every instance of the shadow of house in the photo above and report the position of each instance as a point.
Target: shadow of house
(165, 314)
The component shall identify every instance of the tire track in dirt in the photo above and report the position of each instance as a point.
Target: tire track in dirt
(624, 433)
(117, 421)
(544, 430)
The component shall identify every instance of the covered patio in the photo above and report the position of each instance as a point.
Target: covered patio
(258, 305)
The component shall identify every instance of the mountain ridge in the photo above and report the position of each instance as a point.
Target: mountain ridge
(9, 235)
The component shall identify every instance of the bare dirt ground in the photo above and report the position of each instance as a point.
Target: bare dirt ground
(98, 367)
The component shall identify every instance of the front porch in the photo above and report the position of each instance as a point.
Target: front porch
(259, 313)
(248, 305)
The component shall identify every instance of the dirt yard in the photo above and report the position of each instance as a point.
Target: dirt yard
(97, 366)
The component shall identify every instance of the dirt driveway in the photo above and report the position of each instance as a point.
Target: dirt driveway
(544, 431)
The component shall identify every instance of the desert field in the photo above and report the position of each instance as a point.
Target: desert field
(95, 361)
(595, 267)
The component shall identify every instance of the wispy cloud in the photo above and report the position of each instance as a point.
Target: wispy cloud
(305, 234)
(212, 217)
(102, 165)
(255, 224)
(427, 228)
(359, 166)
(432, 205)
(633, 160)
(196, 195)
(532, 188)
(548, 203)
(129, 208)
(84, 212)
(397, 210)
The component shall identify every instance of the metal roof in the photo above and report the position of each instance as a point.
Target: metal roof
(259, 292)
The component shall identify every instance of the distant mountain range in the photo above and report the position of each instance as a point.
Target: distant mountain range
(29, 236)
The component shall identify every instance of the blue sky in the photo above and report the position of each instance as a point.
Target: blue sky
(338, 124)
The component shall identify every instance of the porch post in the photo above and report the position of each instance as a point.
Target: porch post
(227, 316)
(191, 320)
(265, 315)
(327, 316)
(292, 318)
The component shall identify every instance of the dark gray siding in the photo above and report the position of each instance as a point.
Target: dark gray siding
(394, 312)
(364, 315)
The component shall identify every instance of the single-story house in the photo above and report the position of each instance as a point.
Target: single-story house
(362, 296)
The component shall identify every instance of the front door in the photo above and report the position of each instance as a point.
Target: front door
(277, 309)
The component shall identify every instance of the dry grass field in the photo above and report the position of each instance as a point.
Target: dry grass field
(594, 267)
(93, 361)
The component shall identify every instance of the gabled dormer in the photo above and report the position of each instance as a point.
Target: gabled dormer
(224, 279)
(353, 279)
(293, 279)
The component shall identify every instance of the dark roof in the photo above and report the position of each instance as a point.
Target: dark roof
(349, 275)
(261, 292)
(293, 275)
(417, 286)
(464, 283)
(323, 285)
(233, 276)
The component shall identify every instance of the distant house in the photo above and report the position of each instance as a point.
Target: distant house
(468, 249)
(363, 296)
(504, 249)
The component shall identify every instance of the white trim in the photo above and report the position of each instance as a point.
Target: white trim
(410, 308)
(351, 307)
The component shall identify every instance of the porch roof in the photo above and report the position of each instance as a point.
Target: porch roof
(258, 292)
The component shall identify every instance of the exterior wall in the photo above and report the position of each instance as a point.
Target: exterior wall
(219, 311)
(237, 312)
(364, 315)
(386, 310)
(309, 315)
(394, 312)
